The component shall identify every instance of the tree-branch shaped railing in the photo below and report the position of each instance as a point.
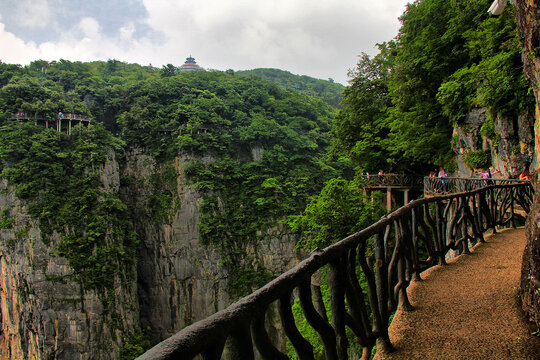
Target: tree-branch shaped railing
(390, 253)
(451, 185)
(395, 180)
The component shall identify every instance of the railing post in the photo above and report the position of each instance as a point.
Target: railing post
(512, 216)
(267, 350)
(439, 235)
(414, 238)
(359, 320)
(336, 277)
(382, 292)
(241, 344)
(303, 348)
(214, 351)
(325, 330)
(389, 199)
(464, 228)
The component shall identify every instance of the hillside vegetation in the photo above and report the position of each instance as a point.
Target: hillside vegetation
(448, 58)
(267, 148)
(329, 91)
(268, 145)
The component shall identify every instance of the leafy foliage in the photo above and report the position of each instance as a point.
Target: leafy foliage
(448, 58)
(494, 79)
(328, 90)
(135, 346)
(261, 149)
(59, 176)
(361, 129)
(478, 159)
(339, 210)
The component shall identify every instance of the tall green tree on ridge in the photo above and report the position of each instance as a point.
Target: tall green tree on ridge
(360, 130)
(431, 46)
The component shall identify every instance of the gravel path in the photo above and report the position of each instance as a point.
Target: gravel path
(469, 309)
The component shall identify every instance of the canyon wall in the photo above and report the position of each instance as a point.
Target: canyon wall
(181, 281)
(511, 148)
(528, 22)
(45, 314)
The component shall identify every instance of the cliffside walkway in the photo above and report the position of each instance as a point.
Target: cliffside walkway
(391, 254)
(468, 309)
(62, 122)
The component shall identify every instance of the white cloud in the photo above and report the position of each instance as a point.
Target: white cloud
(126, 32)
(33, 13)
(320, 38)
(13, 49)
(89, 26)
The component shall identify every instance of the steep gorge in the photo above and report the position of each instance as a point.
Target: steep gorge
(156, 226)
(46, 314)
(180, 280)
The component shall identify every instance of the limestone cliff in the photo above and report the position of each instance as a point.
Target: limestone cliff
(528, 22)
(46, 314)
(511, 146)
(181, 281)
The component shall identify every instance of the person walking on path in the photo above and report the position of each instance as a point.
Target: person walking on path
(487, 176)
(443, 179)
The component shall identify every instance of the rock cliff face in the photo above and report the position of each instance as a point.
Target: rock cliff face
(46, 315)
(181, 281)
(512, 151)
(528, 22)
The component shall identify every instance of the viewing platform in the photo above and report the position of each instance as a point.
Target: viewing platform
(398, 187)
(62, 122)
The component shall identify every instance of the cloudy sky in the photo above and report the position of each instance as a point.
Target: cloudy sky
(319, 38)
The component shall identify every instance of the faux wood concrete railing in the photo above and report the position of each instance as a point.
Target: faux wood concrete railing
(62, 122)
(393, 180)
(390, 253)
(450, 185)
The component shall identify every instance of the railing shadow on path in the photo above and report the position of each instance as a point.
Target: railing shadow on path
(390, 254)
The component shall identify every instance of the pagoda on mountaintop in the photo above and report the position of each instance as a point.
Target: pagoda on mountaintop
(190, 65)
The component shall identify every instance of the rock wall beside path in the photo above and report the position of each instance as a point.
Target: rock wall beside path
(528, 23)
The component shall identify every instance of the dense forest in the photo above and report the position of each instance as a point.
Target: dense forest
(266, 148)
(448, 59)
(329, 91)
(203, 114)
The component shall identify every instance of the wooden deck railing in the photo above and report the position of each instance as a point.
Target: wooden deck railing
(451, 185)
(34, 117)
(390, 253)
(62, 122)
(396, 180)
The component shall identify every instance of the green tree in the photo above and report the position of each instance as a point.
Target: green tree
(168, 70)
(338, 211)
(494, 79)
(361, 129)
(430, 46)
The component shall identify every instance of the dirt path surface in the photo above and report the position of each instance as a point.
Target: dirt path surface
(468, 309)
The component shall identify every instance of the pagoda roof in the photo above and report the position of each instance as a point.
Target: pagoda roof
(190, 64)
